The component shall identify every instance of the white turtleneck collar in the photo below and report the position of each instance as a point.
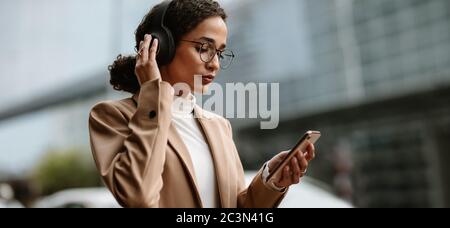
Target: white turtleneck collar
(183, 105)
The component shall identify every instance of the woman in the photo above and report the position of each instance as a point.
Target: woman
(153, 154)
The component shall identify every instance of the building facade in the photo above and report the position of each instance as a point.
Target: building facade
(377, 85)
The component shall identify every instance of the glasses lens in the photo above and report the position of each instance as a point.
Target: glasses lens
(207, 52)
(226, 58)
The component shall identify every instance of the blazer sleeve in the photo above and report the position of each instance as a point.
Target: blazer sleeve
(130, 154)
(257, 194)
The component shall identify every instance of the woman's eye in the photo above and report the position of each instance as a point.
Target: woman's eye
(201, 49)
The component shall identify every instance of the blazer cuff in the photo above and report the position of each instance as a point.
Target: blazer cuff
(154, 103)
(270, 185)
(264, 196)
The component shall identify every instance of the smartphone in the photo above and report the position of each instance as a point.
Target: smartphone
(308, 137)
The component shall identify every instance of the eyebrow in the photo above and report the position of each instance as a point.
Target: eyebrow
(207, 39)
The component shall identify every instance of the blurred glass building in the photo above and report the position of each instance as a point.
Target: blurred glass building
(373, 76)
(375, 82)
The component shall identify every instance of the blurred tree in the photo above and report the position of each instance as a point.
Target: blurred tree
(60, 170)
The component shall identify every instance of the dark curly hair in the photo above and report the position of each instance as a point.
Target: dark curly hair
(182, 17)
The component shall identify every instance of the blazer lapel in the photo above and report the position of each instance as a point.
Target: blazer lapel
(183, 153)
(175, 140)
(216, 146)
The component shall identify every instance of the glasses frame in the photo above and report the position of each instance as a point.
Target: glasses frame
(218, 52)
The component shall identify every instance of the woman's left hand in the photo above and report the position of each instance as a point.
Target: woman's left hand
(295, 168)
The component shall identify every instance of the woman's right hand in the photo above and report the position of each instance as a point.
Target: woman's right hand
(295, 168)
(146, 66)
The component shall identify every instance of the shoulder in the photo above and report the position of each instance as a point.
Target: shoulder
(113, 110)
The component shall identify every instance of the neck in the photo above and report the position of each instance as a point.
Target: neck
(180, 88)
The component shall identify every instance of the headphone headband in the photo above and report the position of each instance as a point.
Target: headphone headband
(160, 15)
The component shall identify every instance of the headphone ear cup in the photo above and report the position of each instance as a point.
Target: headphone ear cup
(166, 46)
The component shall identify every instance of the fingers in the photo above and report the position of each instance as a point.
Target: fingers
(144, 49)
(281, 156)
(293, 171)
(154, 49)
(295, 177)
(147, 52)
(285, 179)
(277, 159)
(310, 152)
(296, 167)
(146, 66)
(139, 63)
(302, 162)
(139, 55)
(285, 174)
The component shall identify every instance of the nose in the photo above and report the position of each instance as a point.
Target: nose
(214, 65)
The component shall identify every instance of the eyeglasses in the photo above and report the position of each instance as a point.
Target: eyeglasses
(207, 52)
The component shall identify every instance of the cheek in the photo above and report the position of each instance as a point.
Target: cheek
(184, 66)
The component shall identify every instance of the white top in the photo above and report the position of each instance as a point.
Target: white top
(188, 128)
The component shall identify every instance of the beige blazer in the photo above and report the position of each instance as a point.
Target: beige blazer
(144, 162)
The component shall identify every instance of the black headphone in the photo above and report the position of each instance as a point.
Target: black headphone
(166, 43)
